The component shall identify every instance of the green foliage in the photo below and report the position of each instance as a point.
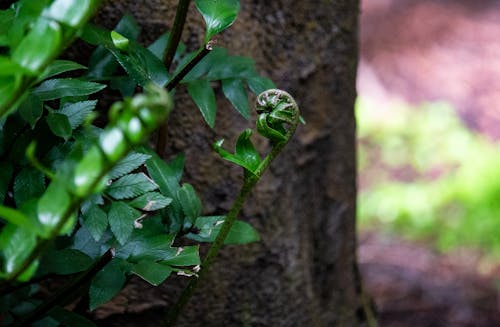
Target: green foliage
(451, 183)
(92, 200)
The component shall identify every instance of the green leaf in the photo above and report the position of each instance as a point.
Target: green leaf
(77, 112)
(102, 62)
(69, 318)
(5, 177)
(259, 84)
(31, 109)
(16, 245)
(190, 203)
(148, 243)
(150, 201)
(18, 218)
(215, 57)
(164, 175)
(84, 242)
(66, 87)
(218, 15)
(119, 41)
(183, 256)
(152, 272)
(130, 186)
(71, 12)
(142, 65)
(232, 67)
(121, 219)
(131, 162)
(96, 221)
(245, 156)
(28, 184)
(235, 92)
(53, 204)
(59, 125)
(66, 261)
(40, 46)
(108, 282)
(246, 151)
(204, 98)
(159, 45)
(60, 66)
(9, 67)
(241, 232)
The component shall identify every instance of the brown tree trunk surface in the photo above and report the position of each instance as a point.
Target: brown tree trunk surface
(303, 272)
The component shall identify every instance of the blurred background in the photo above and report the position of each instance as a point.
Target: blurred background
(428, 116)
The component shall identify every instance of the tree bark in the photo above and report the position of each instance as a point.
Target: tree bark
(303, 272)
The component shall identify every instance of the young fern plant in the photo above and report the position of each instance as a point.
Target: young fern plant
(278, 119)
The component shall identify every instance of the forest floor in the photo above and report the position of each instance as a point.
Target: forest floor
(427, 50)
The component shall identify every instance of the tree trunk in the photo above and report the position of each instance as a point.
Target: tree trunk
(303, 272)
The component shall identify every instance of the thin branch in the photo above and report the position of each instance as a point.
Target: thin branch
(175, 35)
(161, 140)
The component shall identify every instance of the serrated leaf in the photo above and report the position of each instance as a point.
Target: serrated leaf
(96, 221)
(235, 92)
(31, 109)
(77, 112)
(190, 202)
(108, 282)
(259, 84)
(150, 202)
(203, 96)
(121, 219)
(130, 186)
(218, 15)
(241, 232)
(59, 125)
(28, 184)
(152, 272)
(66, 261)
(128, 164)
(66, 87)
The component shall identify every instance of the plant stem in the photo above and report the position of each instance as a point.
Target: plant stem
(161, 139)
(249, 182)
(65, 293)
(175, 35)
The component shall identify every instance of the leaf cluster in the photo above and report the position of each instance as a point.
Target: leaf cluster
(90, 201)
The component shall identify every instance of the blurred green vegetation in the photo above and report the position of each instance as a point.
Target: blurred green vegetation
(423, 174)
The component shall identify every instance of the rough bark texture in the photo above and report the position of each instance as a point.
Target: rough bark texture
(302, 273)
